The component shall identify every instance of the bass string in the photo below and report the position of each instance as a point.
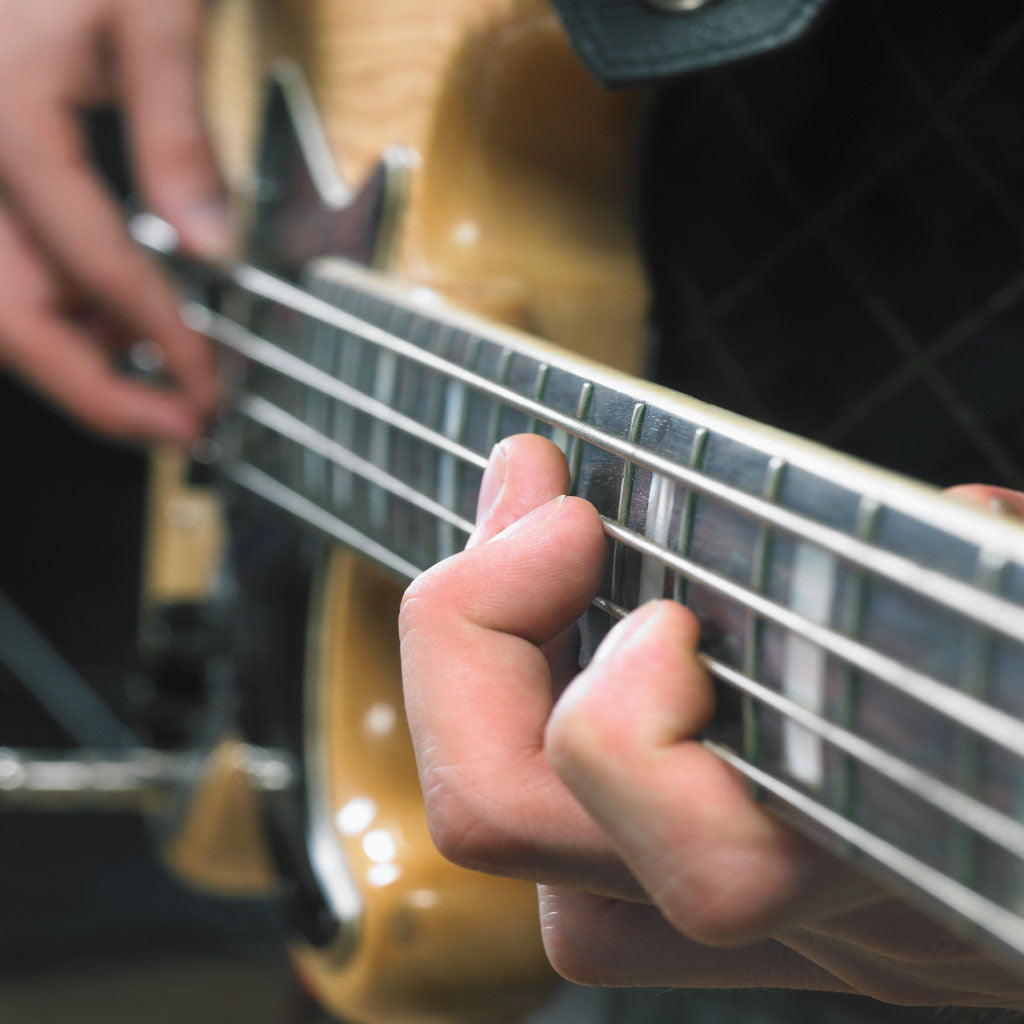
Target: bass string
(984, 719)
(996, 826)
(967, 812)
(964, 599)
(967, 711)
(964, 809)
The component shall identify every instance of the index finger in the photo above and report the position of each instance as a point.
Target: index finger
(76, 221)
(478, 689)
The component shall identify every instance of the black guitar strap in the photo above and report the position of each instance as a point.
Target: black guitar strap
(628, 41)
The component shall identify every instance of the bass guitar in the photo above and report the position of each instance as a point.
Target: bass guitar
(866, 633)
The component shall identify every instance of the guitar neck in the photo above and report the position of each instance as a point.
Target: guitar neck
(866, 634)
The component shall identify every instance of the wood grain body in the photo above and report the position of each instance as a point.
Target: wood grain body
(436, 943)
(518, 208)
(520, 205)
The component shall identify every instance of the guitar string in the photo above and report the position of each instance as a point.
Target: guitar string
(982, 718)
(990, 610)
(1006, 832)
(984, 819)
(968, 811)
(266, 414)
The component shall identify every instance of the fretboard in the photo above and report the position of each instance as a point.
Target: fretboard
(866, 634)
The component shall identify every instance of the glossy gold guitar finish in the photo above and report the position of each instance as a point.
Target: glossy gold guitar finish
(517, 208)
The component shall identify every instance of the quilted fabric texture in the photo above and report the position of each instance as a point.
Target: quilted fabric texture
(837, 236)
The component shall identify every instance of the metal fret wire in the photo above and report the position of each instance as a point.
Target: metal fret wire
(754, 644)
(965, 600)
(983, 719)
(853, 625)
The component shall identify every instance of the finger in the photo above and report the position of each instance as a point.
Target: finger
(478, 690)
(719, 866)
(999, 501)
(63, 361)
(893, 953)
(63, 365)
(159, 47)
(593, 940)
(42, 158)
(523, 472)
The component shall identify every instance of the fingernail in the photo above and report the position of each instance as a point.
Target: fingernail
(532, 519)
(209, 229)
(627, 631)
(490, 489)
(492, 482)
(1001, 507)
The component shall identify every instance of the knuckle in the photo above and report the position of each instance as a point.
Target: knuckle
(106, 418)
(575, 942)
(118, 274)
(708, 907)
(464, 824)
(569, 958)
(426, 595)
(181, 157)
(582, 735)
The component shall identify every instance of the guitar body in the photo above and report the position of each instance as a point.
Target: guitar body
(512, 202)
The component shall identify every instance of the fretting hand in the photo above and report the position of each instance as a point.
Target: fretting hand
(74, 290)
(665, 871)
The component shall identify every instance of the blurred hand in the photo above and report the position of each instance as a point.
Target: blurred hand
(74, 290)
(659, 867)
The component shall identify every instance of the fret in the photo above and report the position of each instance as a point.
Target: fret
(346, 365)
(475, 418)
(852, 625)
(540, 385)
(753, 644)
(968, 748)
(698, 452)
(385, 382)
(625, 500)
(433, 413)
(317, 410)
(455, 415)
(576, 450)
(504, 369)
